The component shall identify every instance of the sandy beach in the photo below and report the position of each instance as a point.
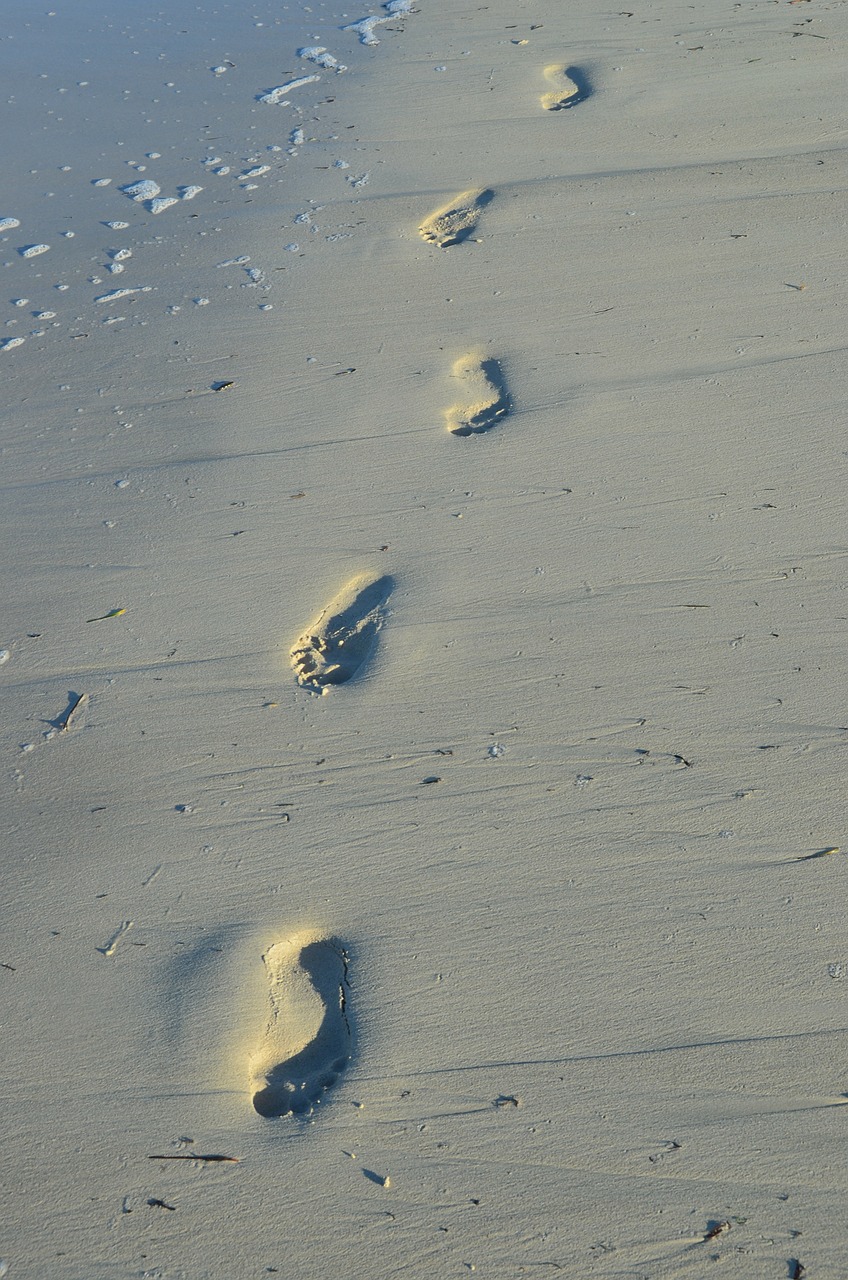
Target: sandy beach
(422, 645)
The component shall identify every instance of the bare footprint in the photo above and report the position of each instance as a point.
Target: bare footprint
(344, 635)
(457, 220)
(307, 1041)
(571, 86)
(485, 397)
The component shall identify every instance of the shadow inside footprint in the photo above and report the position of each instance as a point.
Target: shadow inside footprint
(496, 403)
(577, 87)
(457, 221)
(344, 637)
(295, 1085)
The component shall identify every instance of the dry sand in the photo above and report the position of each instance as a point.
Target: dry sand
(455, 794)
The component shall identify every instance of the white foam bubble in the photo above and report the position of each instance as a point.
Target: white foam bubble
(160, 203)
(275, 96)
(365, 26)
(8, 224)
(122, 293)
(8, 344)
(321, 57)
(144, 189)
(33, 250)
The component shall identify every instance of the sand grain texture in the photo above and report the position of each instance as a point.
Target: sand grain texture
(597, 975)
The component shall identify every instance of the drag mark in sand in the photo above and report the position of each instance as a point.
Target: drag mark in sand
(485, 397)
(571, 86)
(344, 635)
(455, 221)
(307, 1041)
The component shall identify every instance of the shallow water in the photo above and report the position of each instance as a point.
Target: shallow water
(130, 132)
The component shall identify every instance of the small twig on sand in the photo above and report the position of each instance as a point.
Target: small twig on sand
(109, 949)
(74, 706)
(113, 613)
(716, 1229)
(820, 853)
(208, 1159)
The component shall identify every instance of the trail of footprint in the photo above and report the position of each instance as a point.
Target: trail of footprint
(344, 635)
(571, 86)
(457, 220)
(486, 397)
(307, 1041)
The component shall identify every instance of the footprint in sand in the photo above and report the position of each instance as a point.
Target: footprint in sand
(485, 397)
(570, 86)
(344, 635)
(307, 1041)
(457, 220)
